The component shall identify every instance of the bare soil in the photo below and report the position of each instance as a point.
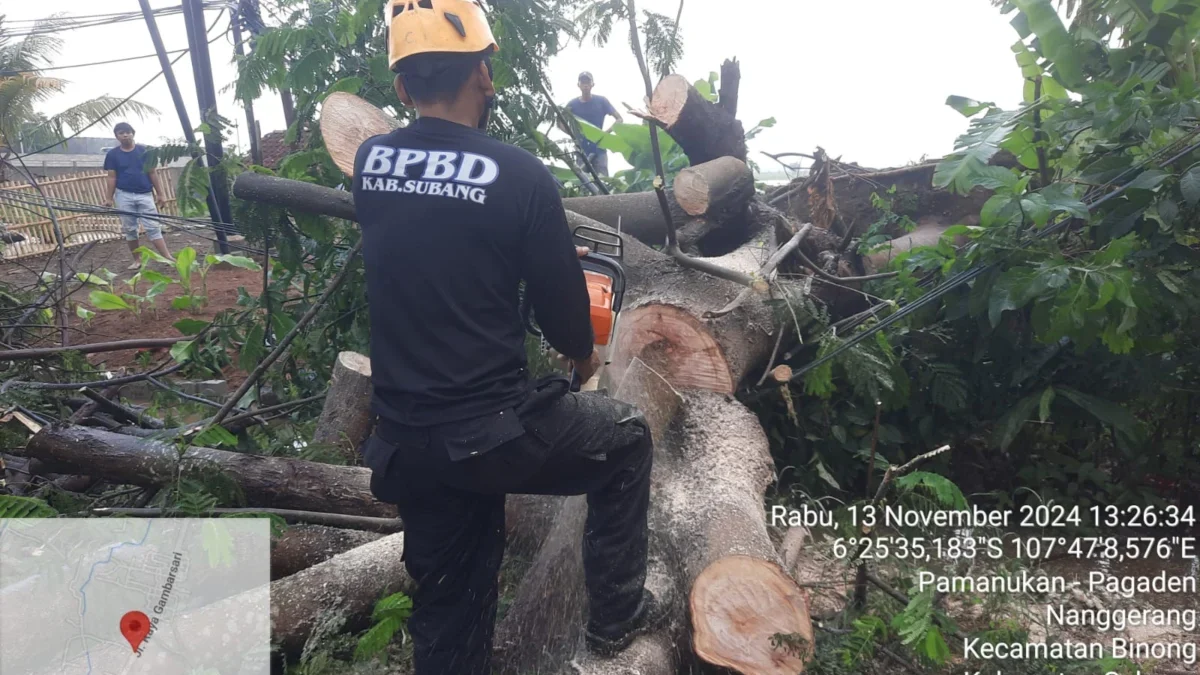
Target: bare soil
(111, 325)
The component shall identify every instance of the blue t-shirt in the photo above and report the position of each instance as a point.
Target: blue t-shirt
(131, 177)
(594, 112)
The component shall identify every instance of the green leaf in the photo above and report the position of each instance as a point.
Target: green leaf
(705, 89)
(824, 474)
(190, 326)
(182, 302)
(1007, 293)
(253, 350)
(1149, 180)
(981, 142)
(157, 278)
(1160, 6)
(239, 261)
(1062, 197)
(106, 300)
(91, 279)
(1172, 282)
(398, 605)
(1055, 42)
(1044, 404)
(24, 507)
(216, 436)
(998, 210)
(1107, 292)
(348, 84)
(84, 313)
(376, 639)
(996, 177)
(1011, 423)
(183, 265)
(969, 107)
(1189, 184)
(935, 648)
(943, 489)
(1106, 412)
(767, 123)
(182, 351)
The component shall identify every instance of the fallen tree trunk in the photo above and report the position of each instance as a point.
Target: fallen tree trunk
(264, 481)
(303, 546)
(705, 197)
(703, 129)
(346, 418)
(712, 468)
(340, 592)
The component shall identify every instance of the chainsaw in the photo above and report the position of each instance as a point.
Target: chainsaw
(606, 288)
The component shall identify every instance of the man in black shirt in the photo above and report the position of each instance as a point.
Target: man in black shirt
(453, 221)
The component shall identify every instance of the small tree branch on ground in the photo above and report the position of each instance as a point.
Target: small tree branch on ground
(42, 352)
(365, 523)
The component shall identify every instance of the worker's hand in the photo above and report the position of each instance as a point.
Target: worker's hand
(582, 251)
(108, 202)
(588, 367)
(160, 202)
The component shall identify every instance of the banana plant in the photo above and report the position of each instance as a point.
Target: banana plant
(190, 266)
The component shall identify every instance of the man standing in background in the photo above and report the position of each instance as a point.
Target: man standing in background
(130, 188)
(593, 109)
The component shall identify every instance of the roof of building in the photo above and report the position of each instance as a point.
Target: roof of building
(274, 148)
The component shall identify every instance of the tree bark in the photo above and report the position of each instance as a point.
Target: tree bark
(346, 586)
(704, 130)
(731, 80)
(927, 234)
(303, 546)
(346, 419)
(264, 481)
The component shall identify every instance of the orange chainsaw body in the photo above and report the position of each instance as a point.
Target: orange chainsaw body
(601, 294)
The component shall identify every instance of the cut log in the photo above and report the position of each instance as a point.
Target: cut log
(346, 418)
(303, 546)
(704, 130)
(264, 481)
(716, 189)
(736, 601)
(347, 121)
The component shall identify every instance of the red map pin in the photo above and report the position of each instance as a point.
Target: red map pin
(135, 626)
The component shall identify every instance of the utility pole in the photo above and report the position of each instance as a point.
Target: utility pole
(251, 125)
(177, 98)
(206, 96)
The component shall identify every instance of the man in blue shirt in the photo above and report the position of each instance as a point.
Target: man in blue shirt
(593, 109)
(131, 188)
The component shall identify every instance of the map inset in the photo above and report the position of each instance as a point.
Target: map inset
(71, 591)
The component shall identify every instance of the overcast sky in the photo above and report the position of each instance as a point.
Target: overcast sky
(867, 80)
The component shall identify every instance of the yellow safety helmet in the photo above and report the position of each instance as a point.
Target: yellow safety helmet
(433, 26)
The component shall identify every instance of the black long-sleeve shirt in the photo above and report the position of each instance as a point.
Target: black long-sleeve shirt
(452, 221)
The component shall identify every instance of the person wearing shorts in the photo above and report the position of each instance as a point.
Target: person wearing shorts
(135, 192)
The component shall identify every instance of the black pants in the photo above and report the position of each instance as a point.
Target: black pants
(449, 485)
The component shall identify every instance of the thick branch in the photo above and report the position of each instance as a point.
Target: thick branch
(42, 352)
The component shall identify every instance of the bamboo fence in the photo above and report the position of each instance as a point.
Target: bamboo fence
(33, 222)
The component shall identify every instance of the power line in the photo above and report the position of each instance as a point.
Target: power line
(9, 73)
(60, 24)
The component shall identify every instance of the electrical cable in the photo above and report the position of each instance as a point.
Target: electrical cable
(969, 275)
(61, 24)
(123, 101)
(10, 73)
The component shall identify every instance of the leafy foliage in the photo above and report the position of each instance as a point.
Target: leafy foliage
(25, 507)
(390, 616)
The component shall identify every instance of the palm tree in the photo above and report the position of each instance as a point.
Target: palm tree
(23, 87)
